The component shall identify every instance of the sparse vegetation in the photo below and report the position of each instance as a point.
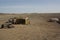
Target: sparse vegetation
(39, 28)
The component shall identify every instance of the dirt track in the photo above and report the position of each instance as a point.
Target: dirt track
(39, 29)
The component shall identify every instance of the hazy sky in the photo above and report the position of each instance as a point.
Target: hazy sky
(21, 6)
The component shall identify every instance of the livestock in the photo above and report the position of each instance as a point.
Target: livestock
(57, 20)
(7, 25)
(53, 20)
(11, 20)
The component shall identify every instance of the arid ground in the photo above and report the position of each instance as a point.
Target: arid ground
(38, 29)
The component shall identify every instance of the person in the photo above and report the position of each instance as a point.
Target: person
(27, 20)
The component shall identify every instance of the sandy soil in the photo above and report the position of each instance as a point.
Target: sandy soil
(38, 29)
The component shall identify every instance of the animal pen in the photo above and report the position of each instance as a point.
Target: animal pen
(19, 20)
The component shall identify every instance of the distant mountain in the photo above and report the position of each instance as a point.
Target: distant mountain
(1, 13)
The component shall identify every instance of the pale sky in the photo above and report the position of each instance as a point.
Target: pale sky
(29, 6)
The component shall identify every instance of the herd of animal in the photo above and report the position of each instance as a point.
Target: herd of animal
(7, 24)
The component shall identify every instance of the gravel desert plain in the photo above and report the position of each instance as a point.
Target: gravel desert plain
(38, 29)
